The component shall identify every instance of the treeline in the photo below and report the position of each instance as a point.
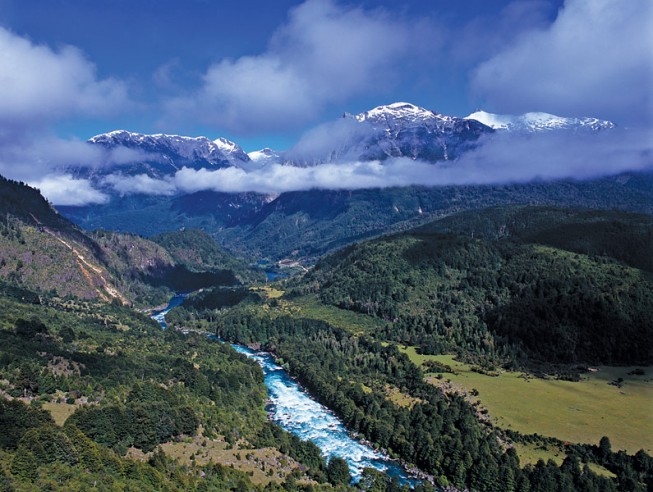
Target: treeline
(496, 301)
(441, 435)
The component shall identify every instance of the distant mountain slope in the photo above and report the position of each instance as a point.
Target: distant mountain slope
(499, 299)
(310, 223)
(165, 154)
(396, 130)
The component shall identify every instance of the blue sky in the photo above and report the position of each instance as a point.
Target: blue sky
(162, 51)
(262, 73)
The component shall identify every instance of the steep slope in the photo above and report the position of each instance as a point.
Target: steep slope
(497, 299)
(43, 251)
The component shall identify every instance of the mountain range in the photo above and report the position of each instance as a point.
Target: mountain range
(394, 130)
(305, 224)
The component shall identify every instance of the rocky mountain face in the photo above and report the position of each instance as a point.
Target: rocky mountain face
(396, 130)
(162, 155)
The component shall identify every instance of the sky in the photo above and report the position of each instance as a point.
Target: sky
(262, 73)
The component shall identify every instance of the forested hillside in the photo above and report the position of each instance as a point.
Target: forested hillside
(488, 290)
(128, 387)
(198, 251)
(384, 397)
(43, 251)
(308, 224)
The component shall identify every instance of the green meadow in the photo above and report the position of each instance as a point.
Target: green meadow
(571, 411)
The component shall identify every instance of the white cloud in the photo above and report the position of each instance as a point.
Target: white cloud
(325, 54)
(595, 59)
(66, 190)
(39, 84)
(27, 158)
(141, 183)
(499, 159)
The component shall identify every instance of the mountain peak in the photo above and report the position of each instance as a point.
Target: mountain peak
(397, 110)
(537, 122)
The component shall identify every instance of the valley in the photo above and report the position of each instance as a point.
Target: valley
(326, 246)
(415, 340)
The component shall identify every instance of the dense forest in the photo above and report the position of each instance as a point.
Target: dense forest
(503, 300)
(132, 386)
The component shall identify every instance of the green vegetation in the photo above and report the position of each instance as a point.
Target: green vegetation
(198, 251)
(497, 302)
(440, 434)
(582, 411)
(131, 386)
(624, 236)
(95, 393)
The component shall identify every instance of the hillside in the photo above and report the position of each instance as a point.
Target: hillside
(307, 224)
(502, 297)
(45, 252)
(198, 251)
(87, 386)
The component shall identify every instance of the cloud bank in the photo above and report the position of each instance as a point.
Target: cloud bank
(324, 54)
(595, 59)
(499, 159)
(66, 190)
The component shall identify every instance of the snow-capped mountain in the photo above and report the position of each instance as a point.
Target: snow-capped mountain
(265, 157)
(395, 130)
(160, 155)
(538, 122)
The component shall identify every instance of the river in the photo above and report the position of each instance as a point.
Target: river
(293, 409)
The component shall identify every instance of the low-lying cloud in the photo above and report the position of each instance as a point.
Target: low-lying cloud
(65, 190)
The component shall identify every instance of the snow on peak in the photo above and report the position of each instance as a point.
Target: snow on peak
(265, 153)
(226, 145)
(397, 110)
(537, 122)
(263, 157)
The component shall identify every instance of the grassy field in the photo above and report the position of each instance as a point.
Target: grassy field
(576, 412)
(263, 465)
(531, 453)
(59, 411)
(355, 323)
